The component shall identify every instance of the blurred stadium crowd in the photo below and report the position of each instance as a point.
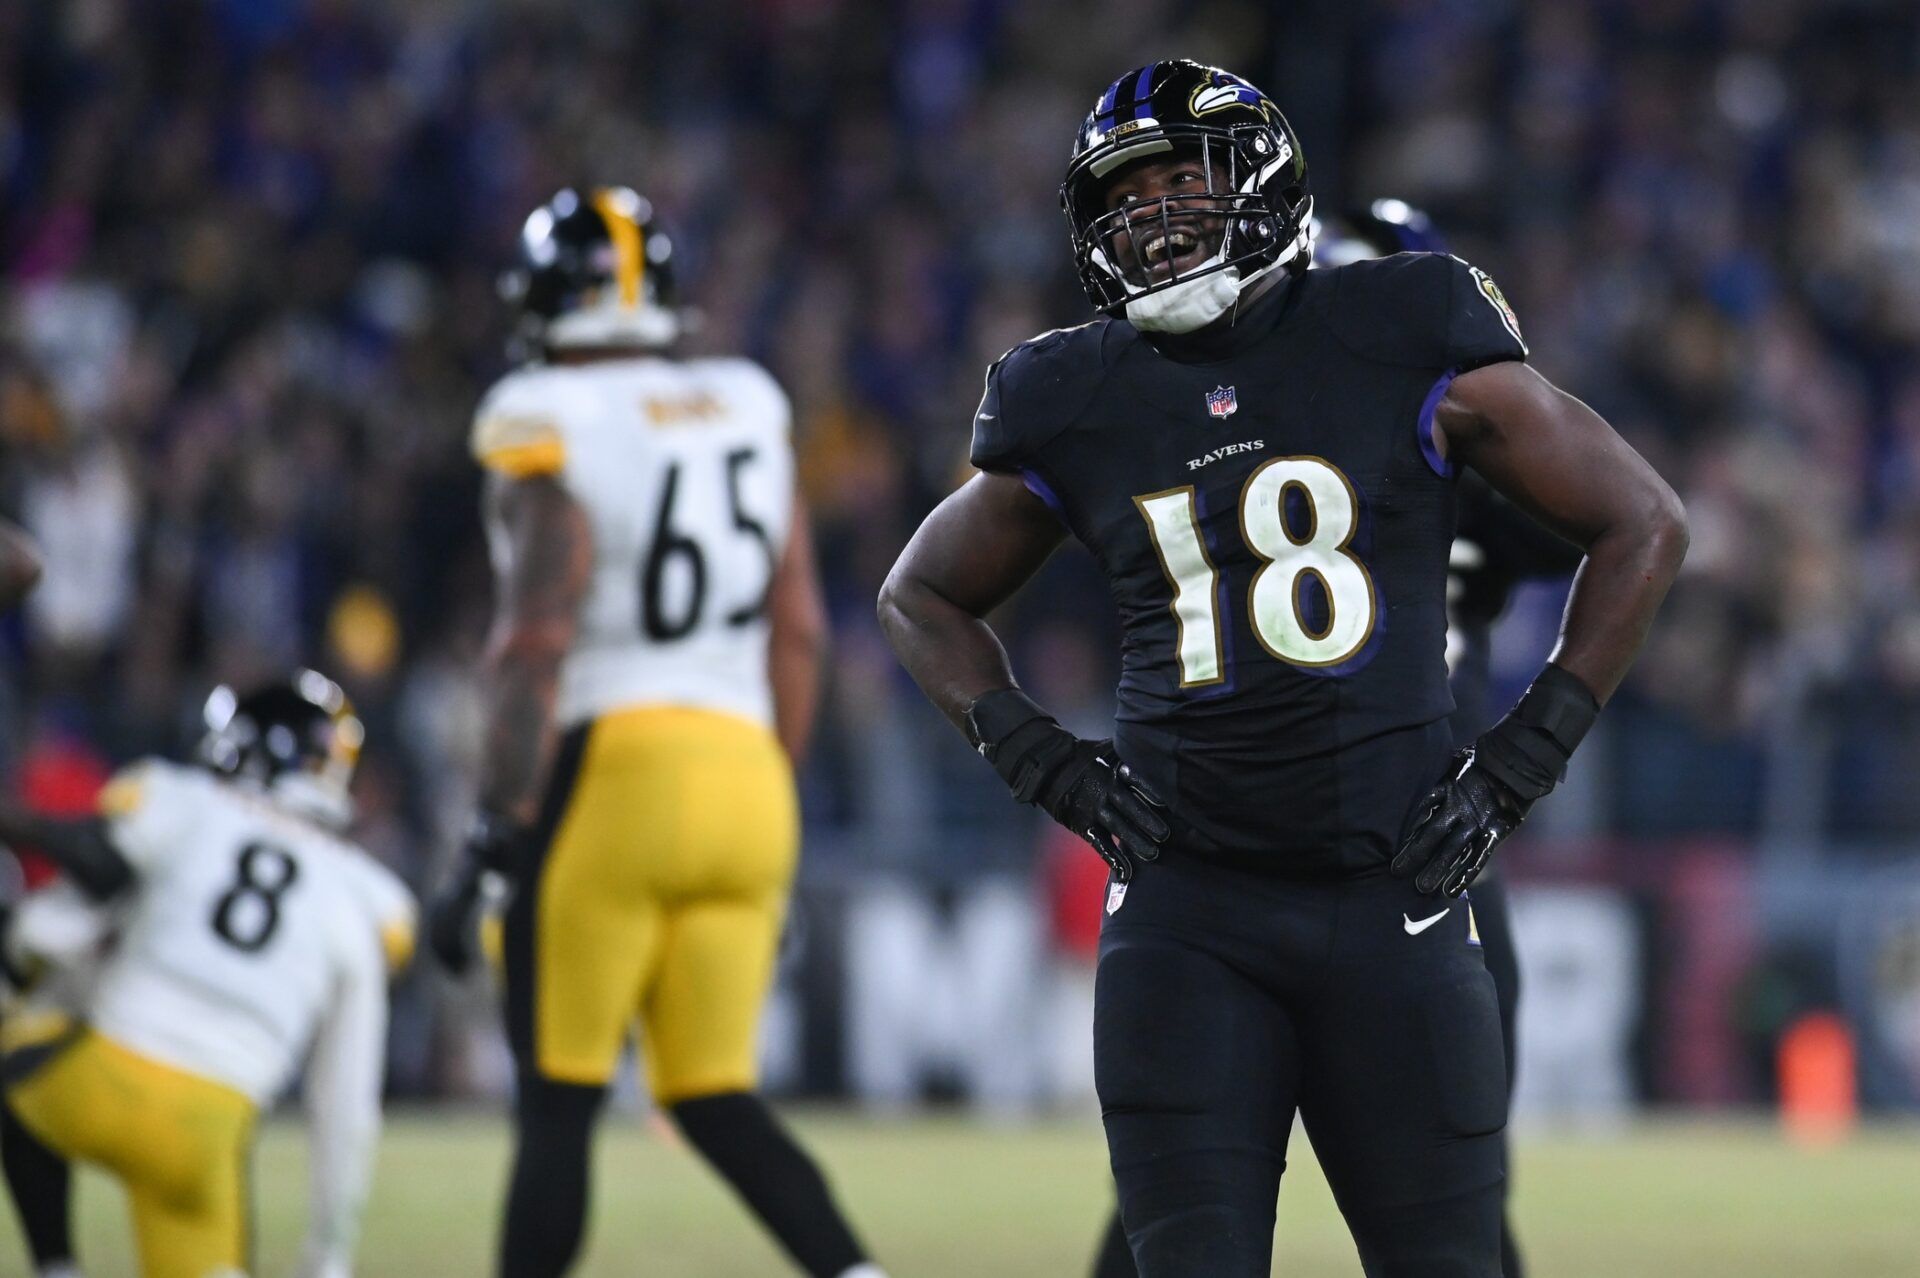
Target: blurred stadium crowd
(250, 249)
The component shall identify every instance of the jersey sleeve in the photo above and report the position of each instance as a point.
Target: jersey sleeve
(1481, 327)
(1425, 310)
(1032, 394)
(517, 431)
(765, 393)
(148, 808)
(392, 907)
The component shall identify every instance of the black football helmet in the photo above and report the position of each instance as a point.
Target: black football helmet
(596, 269)
(1257, 180)
(296, 738)
(1383, 228)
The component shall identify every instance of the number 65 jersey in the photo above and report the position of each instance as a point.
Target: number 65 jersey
(685, 472)
(250, 930)
(1273, 517)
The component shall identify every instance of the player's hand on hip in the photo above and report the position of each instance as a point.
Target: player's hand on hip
(1081, 784)
(1098, 798)
(1494, 784)
(1463, 819)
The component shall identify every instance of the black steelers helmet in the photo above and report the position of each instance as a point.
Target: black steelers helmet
(1257, 180)
(596, 269)
(1381, 229)
(297, 738)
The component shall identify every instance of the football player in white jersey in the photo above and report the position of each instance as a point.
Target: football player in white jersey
(250, 937)
(651, 676)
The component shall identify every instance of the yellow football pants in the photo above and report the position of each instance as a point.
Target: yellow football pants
(659, 896)
(178, 1143)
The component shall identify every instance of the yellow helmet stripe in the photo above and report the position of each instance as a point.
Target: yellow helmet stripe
(629, 263)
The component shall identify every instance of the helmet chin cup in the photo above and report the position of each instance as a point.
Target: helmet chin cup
(1189, 304)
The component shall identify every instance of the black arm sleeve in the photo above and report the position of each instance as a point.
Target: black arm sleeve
(81, 850)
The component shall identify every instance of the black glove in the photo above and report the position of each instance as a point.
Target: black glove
(1081, 784)
(1492, 785)
(495, 845)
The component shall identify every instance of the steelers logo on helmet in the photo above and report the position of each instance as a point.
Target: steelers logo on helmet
(596, 270)
(1177, 262)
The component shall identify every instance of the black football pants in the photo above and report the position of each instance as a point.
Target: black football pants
(1228, 1001)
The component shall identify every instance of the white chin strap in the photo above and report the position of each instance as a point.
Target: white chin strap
(1190, 304)
(1195, 303)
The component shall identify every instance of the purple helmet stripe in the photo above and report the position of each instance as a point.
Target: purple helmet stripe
(1105, 109)
(1142, 92)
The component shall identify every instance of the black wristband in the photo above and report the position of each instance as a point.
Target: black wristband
(1024, 743)
(1527, 751)
(995, 716)
(1559, 705)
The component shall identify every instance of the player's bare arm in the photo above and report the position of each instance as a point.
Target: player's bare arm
(797, 638)
(19, 564)
(973, 552)
(1558, 460)
(79, 847)
(542, 551)
(543, 555)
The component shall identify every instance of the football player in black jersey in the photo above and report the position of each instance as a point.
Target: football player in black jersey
(1262, 460)
(1495, 547)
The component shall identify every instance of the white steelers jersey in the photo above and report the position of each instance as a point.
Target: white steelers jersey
(246, 928)
(685, 471)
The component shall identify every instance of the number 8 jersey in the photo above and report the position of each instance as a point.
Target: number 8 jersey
(248, 924)
(685, 472)
(1273, 517)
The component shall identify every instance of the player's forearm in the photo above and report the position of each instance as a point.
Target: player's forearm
(952, 654)
(797, 638)
(1627, 573)
(522, 679)
(81, 849)
(794, 659)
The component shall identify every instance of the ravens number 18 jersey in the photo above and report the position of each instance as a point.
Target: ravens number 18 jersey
(1273, 516)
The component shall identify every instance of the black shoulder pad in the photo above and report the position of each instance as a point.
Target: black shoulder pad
(1034, 392)
(1424, 310)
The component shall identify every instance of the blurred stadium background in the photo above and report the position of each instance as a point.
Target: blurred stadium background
(247, 305)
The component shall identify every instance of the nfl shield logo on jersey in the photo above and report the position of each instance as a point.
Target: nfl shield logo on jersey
(1221, 401)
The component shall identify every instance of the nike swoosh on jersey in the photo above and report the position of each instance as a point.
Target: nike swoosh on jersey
(1415, 929)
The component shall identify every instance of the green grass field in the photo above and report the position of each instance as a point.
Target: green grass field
(943, 1198)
